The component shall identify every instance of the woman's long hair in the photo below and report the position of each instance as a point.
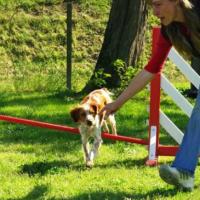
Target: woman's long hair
(181, 42)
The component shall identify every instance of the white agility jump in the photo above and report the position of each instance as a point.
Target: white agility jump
(157, 116)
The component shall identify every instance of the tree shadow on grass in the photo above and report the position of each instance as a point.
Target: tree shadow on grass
(37, 193)
(54, 167)
(127, 163)
(153, 194)
(17, 133)
(43, 168)
(37, 99)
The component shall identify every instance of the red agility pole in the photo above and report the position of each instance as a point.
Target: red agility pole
(69, 129)
(167, 150)
(154, 122)
(156, 149)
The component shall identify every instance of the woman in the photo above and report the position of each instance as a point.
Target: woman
(180, 27)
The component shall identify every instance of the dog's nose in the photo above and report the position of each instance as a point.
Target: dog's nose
(89, 123)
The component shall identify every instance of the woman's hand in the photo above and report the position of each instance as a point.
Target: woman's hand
(109, 109)
(136, 85)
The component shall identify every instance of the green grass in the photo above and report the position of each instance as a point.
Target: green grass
(39, 163)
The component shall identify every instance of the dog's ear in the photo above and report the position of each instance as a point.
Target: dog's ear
(75, 114)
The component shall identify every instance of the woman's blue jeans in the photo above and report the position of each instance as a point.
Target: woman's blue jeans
(187, 155)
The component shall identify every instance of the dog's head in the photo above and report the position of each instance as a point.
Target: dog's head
(85, 114)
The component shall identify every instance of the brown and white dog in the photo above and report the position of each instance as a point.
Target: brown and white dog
(90, 122)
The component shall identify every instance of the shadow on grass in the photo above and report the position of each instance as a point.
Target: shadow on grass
(37, 193)
(136, 129)
(37, 99)
(31, 104)
(128, 163)
(55, 167)
(153, 194)
(16, 133)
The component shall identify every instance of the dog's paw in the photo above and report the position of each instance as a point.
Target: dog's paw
(89, 164)
(91, 155)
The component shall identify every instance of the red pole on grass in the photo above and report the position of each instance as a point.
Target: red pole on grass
(69, 129)
(154, 117)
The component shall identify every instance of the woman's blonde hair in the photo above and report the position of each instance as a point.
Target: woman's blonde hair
(181, 42)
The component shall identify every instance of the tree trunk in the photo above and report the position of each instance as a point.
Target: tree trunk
(123, 40)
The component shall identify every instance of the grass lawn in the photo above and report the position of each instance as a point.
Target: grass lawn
(38, 163)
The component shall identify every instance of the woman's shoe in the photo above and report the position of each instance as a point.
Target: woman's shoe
(173, 176)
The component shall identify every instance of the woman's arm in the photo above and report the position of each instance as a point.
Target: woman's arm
(136, 85)
(153, 67)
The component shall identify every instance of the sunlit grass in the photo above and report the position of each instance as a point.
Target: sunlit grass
(39, 163)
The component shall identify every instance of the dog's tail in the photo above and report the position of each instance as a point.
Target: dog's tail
(107, 91)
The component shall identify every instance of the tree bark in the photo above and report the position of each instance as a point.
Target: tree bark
(123, 40)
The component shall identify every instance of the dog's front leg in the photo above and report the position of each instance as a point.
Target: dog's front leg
(96, 144)
(112, 122)
(106, 126)
(86, 149)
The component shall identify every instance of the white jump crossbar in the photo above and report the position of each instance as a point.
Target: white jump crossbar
(171, 128)
(178, 98)
(184, 67)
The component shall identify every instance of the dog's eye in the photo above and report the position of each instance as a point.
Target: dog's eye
(91, 112)
(83, 114)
